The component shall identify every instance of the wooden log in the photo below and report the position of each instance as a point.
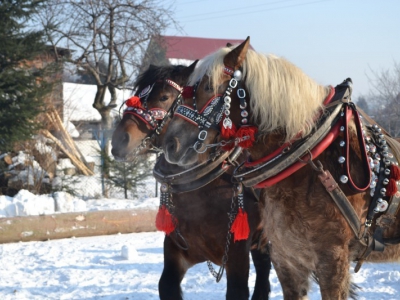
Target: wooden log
(67, 140)
(83, 224)
(74, 160)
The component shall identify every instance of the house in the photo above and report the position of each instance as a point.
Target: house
(181, 50)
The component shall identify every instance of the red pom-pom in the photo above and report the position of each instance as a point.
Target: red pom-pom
(391, 187)
(187, 92)
(240, 226)
(250, 132)
(133, 101)
(227, 133)
(395, 172)
(165, 221)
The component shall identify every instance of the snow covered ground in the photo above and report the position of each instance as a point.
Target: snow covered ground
(125, 267)
(95, 268)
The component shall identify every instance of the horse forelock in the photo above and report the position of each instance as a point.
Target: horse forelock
(157, 73)
(283, 97)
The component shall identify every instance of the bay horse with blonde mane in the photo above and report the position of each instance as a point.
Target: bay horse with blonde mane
(327, 176)
(201, 205)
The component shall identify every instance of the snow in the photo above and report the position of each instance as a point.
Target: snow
(125, 266)
(128, 267)
(78, 102)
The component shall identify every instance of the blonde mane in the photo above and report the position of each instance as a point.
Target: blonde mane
(282, 97)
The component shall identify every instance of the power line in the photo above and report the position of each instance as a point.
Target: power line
(238, 8)
(252, 12)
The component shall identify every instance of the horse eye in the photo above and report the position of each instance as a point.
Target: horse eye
(208, 88)
(164, 98)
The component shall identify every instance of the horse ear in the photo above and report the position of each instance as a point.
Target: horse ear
(188, 70)
(235, 58)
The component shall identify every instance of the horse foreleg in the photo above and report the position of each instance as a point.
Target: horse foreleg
(237, 272)
(169, 286)
(294, 279)
(262, 264)
(333, 274)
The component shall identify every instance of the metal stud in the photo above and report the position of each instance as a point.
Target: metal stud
(382, 205)
(244, 113)
(344, 179)
(341, 128)
(164, 188)
(341, 159)
(387, 171)
(372, 192)
(385, 181)
(244, 121)
(372, 184)
(342, 143)
(238, 75)
(383, 191)
(372, 148)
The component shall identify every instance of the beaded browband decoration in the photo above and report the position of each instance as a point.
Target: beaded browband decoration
(137, 105)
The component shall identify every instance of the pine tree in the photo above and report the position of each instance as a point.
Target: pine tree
(129, 176)
(22, 87)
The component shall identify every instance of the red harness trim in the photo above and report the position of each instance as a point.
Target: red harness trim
(157, 113)
(286, 145)
(316, 151)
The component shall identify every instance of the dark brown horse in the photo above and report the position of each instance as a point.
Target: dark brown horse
(331, 182)
(202, 233)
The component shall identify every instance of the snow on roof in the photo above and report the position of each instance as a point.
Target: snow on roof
(192, 48)
(79, 98)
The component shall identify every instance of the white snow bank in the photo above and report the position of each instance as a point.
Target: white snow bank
(27, 204)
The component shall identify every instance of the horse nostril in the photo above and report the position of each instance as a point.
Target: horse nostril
(172, 146)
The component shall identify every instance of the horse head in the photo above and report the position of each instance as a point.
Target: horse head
(211, 111)
(144, 120)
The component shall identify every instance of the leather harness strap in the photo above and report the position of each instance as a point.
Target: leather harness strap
(199, 176)
(340, 200)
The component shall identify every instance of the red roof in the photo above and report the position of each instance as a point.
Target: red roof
(193, 48)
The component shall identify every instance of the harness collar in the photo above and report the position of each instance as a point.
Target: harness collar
(290, 157)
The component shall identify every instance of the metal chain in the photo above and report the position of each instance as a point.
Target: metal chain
(203, 148)
(231, 215)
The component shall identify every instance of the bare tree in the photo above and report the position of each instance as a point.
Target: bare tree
(108, 38)
(385, 97)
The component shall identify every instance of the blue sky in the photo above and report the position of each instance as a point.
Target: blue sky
(329, 40)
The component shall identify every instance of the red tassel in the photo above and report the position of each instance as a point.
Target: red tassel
(187, 92)
(240, 227)
(395, 172)
(391, 188)
(249, 131)
(133, 101)
(164, 220)
(227, 133)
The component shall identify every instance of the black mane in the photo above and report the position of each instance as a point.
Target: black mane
(157, 73)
